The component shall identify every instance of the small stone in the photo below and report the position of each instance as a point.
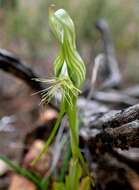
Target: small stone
(3, 168)
(48, 115)
(20, 182)
(43, 165)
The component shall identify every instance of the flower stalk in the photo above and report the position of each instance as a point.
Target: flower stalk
(69, 75)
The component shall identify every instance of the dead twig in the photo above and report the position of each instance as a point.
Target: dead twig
(114, 79)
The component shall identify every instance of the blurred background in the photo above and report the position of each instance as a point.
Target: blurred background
(24, 31)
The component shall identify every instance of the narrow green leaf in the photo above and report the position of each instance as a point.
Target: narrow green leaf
(22, 171)
(52, 135)
(59, 186)
(85, 183)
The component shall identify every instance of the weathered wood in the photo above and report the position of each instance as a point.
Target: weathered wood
(11, 64)
(133, 164)
(114, 119)
(112, 122)
(133, 91)
(114, 97)
(114, 78)
(120, 137)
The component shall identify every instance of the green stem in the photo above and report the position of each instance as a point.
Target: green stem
(73, 123)
(65, 163)
(52, 135)
(74, 135)
(45, 183)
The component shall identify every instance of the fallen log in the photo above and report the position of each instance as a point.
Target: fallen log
(122, 137)
(116, 118)
(13, 65)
